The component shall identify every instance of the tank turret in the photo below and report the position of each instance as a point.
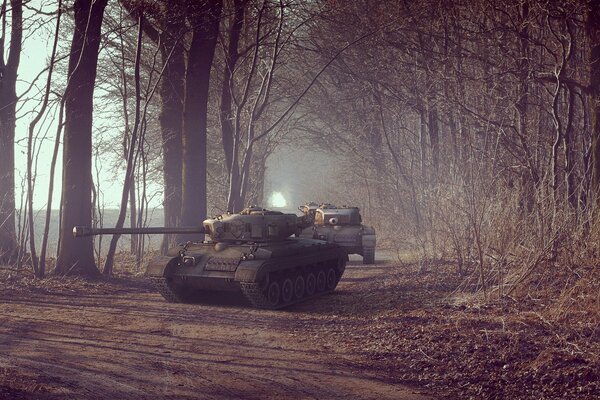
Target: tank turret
(255, 224)
(251, 252)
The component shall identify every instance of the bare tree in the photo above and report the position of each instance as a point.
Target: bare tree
(248, 80)
(166, 27)
(593, 31)
(204, 20)
(8, 104)
(132, 150)
(39, 265)
(76, 255)
(184, 92)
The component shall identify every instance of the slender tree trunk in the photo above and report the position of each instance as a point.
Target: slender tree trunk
(257, 101)
(570, 135)
(131, 154)
(233, 198)
(569, 152)
(39, 267)
(245, 179)
(42, 264)
(44, 245)
(8, 102)
(168, 34)
(434, 138)
(423, 113)
(555, 147)
(204, 19)
(133, 218)
(231, 59)
(531, 182)
(76, 255)
(229, 122)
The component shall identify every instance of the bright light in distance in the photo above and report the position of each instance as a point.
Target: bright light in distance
(277, 200)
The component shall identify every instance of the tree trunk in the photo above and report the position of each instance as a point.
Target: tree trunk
(204, 19)
(131, 157)
(532, 182)
(593, 28)
(229, 122)
(76, 255)
(434, 139)
(44, 246)
(8, 102)
(231, 59)
(133, 218)
(169, 35)
(245, 177)
(569, 152)
(257, 192)
(423, 113)
(171, 120)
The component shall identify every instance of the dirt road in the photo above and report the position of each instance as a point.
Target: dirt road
(122, 340)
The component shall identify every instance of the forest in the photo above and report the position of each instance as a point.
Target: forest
(468, 133)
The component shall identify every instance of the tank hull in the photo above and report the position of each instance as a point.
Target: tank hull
(270, 275)
(354, 239)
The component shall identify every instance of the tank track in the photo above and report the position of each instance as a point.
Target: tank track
(256, 297)
(170, 293)
(254, 293)
(368, 255)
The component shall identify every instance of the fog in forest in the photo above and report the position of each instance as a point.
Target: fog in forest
(439, 160)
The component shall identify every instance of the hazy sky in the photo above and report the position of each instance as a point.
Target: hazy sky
(297, 174)
(34, 58)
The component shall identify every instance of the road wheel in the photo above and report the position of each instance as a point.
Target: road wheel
(331, 279)
(311, 284)
(273, 293)
(287, 290)
(321, 281)
(299, 287)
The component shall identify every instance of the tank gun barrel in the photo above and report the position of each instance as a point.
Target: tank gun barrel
(82, 231)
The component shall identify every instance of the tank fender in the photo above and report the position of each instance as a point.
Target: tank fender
(368, 237)
(175, 250)
(161, 266)
(250, 271)
(368, 230)
(368, 241)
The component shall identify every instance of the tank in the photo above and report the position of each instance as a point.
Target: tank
(251, 252)
(342, 226)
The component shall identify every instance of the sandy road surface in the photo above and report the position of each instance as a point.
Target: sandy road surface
(128, 343)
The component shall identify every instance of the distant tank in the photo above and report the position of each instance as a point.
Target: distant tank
(251, 252)
(342, 226)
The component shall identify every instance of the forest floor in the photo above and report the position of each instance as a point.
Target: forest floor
(387, 332)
